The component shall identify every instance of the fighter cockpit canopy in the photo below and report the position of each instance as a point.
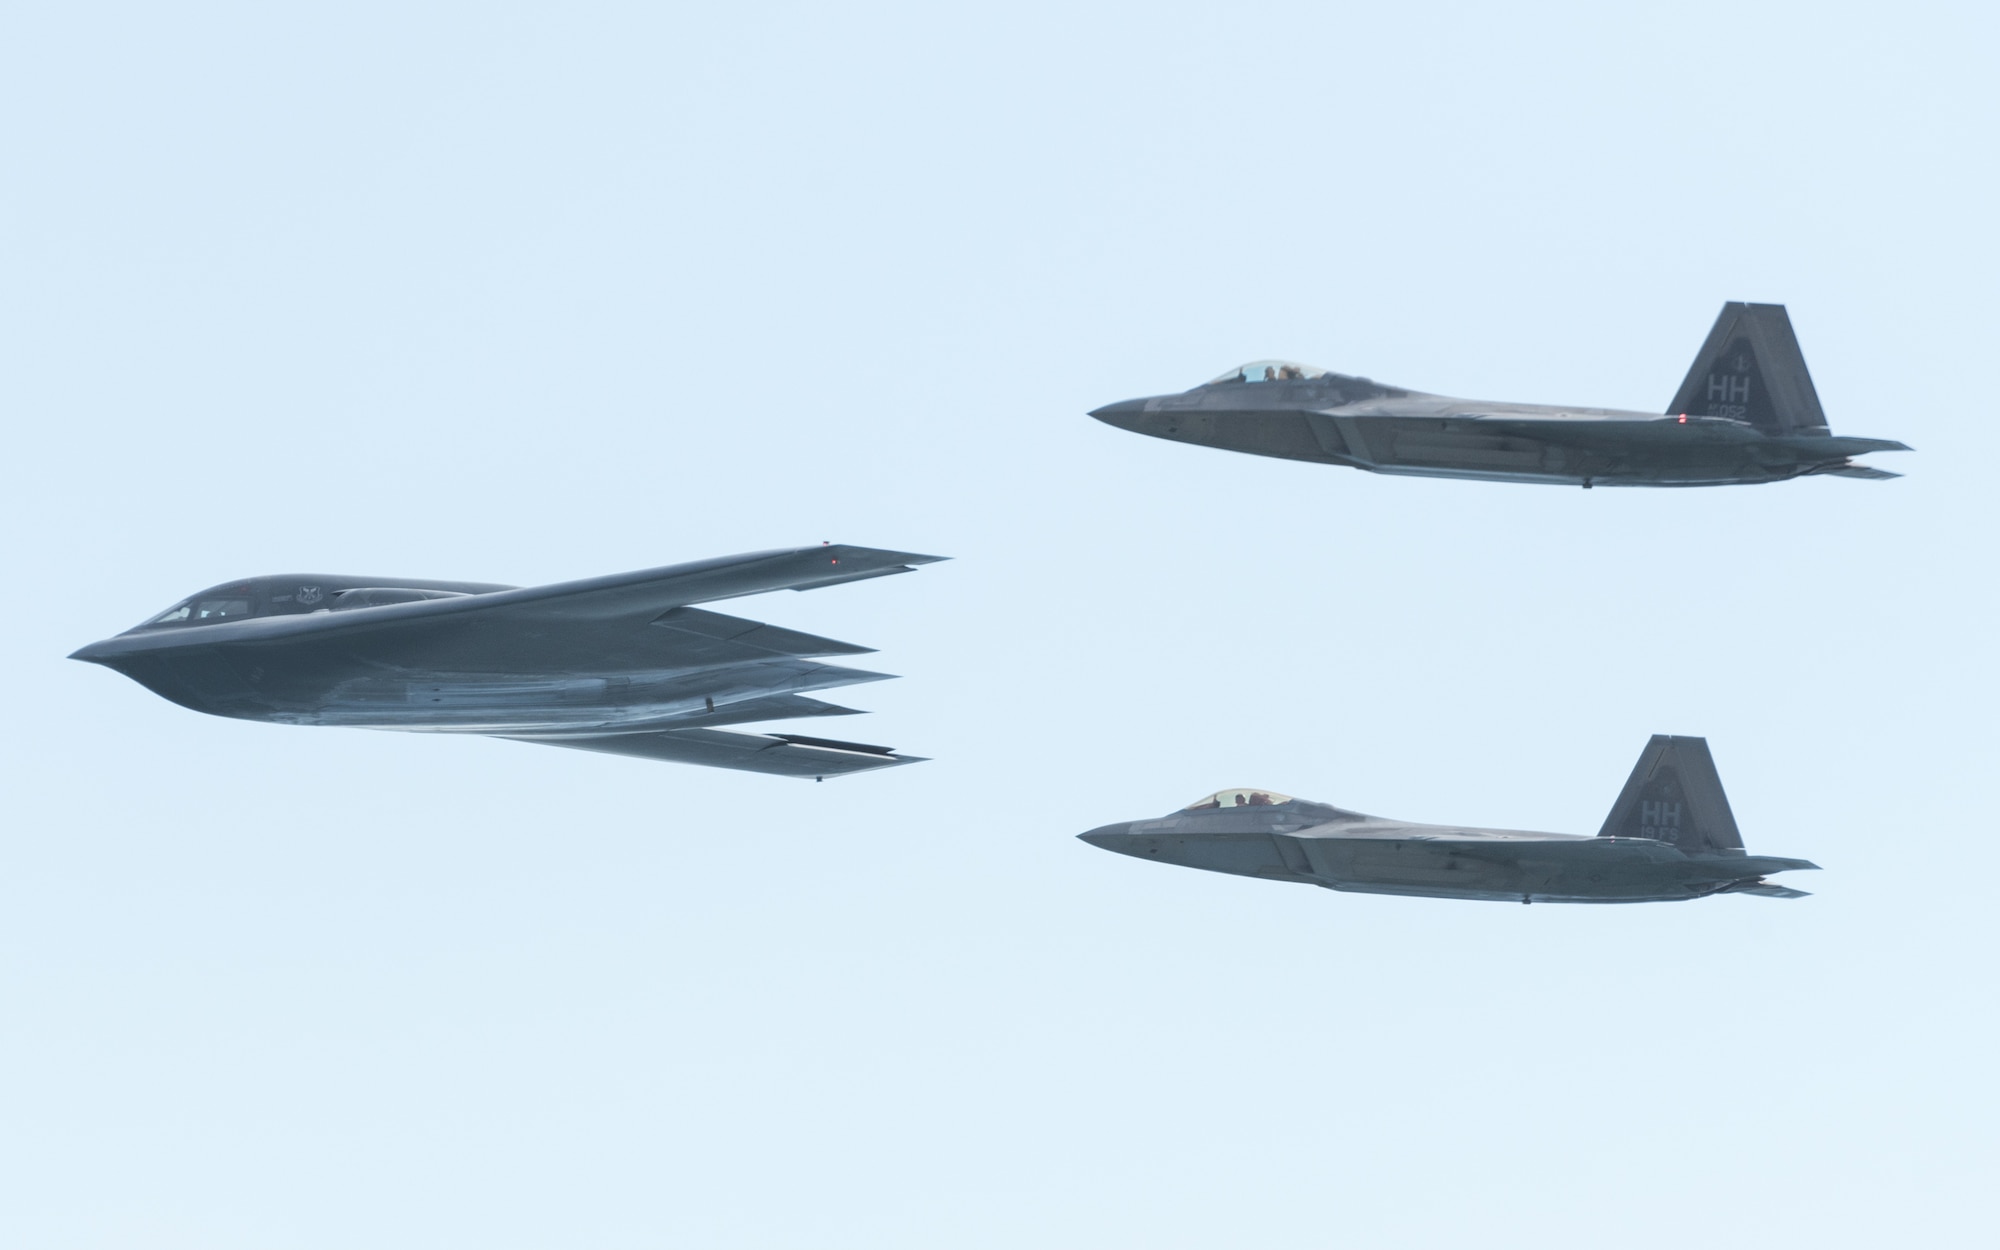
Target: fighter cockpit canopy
(1269, 371)
(1238, 798)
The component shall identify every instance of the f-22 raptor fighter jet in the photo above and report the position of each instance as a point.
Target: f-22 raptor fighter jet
(1670, 836)
(620, 664)
(1746, 413)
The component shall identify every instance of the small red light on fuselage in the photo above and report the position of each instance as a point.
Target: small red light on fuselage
(1684, 418)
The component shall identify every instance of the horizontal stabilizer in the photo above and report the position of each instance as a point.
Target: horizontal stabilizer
(784, 755)
(1828, 445)
(1763, 889)
(1866, 472)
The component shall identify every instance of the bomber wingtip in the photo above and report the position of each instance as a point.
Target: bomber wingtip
(887, 553)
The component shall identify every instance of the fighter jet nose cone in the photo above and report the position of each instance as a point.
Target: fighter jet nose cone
(1108, 837)
(1128, 415)
(92, 654)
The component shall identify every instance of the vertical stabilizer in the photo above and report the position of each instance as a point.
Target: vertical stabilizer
(1751, 369)
(1674, 795)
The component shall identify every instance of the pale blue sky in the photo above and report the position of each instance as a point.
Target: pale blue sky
(524, 294)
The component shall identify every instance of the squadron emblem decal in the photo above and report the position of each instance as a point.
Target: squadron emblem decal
(309, 594)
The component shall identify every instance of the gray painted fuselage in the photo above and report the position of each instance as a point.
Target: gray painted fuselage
(1746, 413)
(1319, 845)
(1411, 434)
(1669, 836)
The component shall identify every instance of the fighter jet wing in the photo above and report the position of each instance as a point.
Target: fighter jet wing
(1499, 847)
(1612, 433)
(785, 755)
(1608, 433)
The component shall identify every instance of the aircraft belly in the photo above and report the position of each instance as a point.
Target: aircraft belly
(1468, 473)
(1551, 893)
(1448, 448)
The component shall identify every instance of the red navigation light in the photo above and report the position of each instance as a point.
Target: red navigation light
(1684, 418)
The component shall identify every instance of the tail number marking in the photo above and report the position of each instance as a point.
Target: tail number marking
(1659, 819)
(1727, 389)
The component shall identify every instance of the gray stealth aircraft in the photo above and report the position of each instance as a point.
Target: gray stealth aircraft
(1670, 836)
(620, 664)
(1746, 413)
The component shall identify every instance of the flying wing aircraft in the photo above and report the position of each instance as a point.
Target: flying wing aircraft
(623, 664)
(1669, 836)
(1746, 413)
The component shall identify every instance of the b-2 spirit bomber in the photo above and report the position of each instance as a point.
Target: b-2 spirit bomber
(1670, 836)
(621, 664)
(1746, 413)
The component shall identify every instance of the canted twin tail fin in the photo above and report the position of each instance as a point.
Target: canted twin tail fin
(1674, 795)
(1751, 369)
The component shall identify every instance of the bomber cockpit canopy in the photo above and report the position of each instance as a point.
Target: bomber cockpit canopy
(1269, 371)
(296, 594)
(205, 609)
(1243, 797)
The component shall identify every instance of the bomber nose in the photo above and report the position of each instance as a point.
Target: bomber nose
(1127, 414)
